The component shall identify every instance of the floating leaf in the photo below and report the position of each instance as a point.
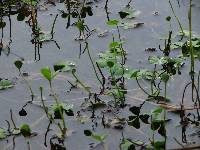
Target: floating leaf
(156, 60)
(2, 133)
(16, 131)
(99, 137)
(112, 22)
(131, 25)
(5, 84)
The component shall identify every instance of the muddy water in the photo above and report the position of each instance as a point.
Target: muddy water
(136, 40)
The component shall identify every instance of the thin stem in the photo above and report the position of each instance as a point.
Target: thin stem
(60, 111)
(179, 23)
(93, 65)
(86, 88)
(53, 26)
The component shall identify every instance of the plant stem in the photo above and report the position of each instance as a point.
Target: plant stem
(190, 38)
(60, 111)
(86, 88)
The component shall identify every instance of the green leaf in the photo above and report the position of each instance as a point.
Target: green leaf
(131, 74)
(44, 36)
(63, 107)
(159, 145)
(46, 72)
(30, 2)
(165, 77)
(112, 22)
(156, 60)
(80, 25)
(2, 133)
(115, 44)
(176, 45)
(64, 66)
(126, 144)
(5, 84)
(110, 64)
(99, 137)
(25, 130)
(157, 111)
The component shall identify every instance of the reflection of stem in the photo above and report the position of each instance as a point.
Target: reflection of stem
(10, 26)
(192, 59)
(11, 117)
(48, 129)
(142, 87)
(90, 57)
(106, 5)
(53, 26)
(105, 146)
(176, 17)
(103, 78)
(28, 144)
(190, 37)
(29, 86)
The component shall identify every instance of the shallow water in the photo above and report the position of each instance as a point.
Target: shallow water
(136, 41)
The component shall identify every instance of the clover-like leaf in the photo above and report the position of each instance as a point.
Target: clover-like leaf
(135, 110)
(144, 118)
(135, 123)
